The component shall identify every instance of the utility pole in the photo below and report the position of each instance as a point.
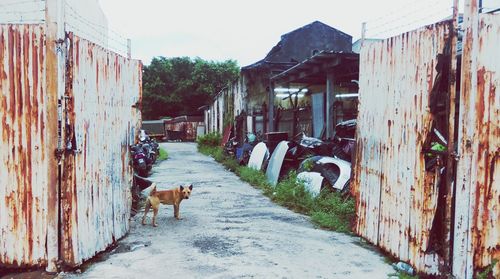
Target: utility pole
(363, 33)
(129, 49)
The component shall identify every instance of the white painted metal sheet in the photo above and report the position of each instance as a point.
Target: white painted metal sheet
(102, 91)
(312, 182)
(259, 154)
(275, 163)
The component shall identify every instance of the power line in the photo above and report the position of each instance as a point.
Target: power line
(412, 23)
(20, 3)
(390, 18)
(22, 12)
(95, 26)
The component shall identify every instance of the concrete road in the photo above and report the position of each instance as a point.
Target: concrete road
(230, 230)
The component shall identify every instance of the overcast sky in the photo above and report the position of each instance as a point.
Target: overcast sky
(245, 30)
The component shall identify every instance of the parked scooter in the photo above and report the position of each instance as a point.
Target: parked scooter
(150, 154)
(230, 147)
(251, 140)
(139, 160)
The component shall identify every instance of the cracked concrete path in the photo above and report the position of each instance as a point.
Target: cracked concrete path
(229, 230)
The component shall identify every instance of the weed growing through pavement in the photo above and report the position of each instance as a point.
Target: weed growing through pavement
(163, 155)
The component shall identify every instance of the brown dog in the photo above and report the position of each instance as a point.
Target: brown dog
(171, 197)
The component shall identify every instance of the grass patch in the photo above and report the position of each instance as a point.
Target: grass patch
(211, 139)
(334, 211)
(330, 210)
(407, 276)
(487, 272)
(163, 155)
(293, 195)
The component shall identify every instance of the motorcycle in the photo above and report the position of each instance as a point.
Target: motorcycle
(139, 160)
(150, 155)
(244, 153)
(230, 147)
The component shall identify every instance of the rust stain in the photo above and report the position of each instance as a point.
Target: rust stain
(34, 74)
(391, 159)
(3, 76)
(27, 164)
(77, 54)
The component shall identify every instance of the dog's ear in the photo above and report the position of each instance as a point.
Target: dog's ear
(182, 188)
(191, 187)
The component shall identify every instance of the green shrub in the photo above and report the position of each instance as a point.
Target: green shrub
(333, 211)
(292, 194)
(211, 139)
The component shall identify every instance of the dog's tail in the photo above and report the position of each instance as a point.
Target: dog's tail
(154, 189)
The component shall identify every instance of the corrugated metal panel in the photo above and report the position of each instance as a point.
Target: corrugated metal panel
(396, 198)
(23, 156)
(102, 90)
(477, 226)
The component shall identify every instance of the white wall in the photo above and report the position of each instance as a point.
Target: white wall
(85, 18)
(22, 11)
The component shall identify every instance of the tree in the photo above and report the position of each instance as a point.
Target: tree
(180, 85)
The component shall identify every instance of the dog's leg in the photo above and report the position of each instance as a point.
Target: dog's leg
(146, 210)
(155, 212)
(176, 211)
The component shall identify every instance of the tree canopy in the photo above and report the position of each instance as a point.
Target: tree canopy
(180, 85)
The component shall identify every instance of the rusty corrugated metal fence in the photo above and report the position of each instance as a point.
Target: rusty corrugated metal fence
(102, 88)
(396, 197)
(24, 154)
(398, 200)
(98, 120)
(477, 225)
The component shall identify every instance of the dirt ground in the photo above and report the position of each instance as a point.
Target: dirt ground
(229, 230)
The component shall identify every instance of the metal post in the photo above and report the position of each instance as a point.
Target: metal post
(129, 48)
(330, 81)
(55, 63)
(450, 163)
(270, 110)
(363, 33)
(463, 234)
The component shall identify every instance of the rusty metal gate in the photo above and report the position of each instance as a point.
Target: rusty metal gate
(100, 122)
(477, 225)
(24, 157)
(400, 200)
(396, 196)
(43, 219)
